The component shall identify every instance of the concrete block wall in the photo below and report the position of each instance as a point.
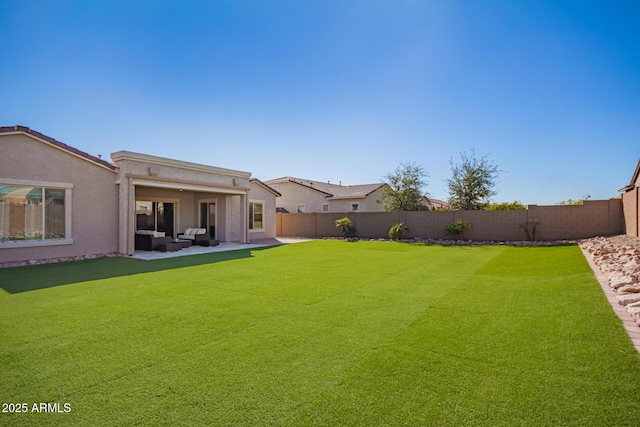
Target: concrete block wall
(594, 218)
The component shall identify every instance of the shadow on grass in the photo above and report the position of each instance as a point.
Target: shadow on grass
(31, 278)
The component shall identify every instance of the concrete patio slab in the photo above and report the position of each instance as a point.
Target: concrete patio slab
(223, 247)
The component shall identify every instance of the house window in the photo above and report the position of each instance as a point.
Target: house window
(32, 213)
(355, 207)
(300, 208)
(325, 207)
(256, 216)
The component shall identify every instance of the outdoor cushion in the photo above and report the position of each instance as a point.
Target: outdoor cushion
(194, 234)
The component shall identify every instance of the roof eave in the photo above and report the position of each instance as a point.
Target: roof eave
(265, 186)
(24, 130)
(636, 173)
(163, 161)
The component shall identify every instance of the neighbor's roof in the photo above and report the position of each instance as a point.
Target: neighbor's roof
(439, 202)
(8, 130)
(634, 180)
(265, 186)
(332, 191)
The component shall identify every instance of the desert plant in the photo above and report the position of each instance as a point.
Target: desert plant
(531, 236)
(457, 227)
(344, 224)
(398, 231)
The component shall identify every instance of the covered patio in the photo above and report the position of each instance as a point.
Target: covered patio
(166, 197)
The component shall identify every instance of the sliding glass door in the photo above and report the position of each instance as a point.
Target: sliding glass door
(208, 217)
(155, 216)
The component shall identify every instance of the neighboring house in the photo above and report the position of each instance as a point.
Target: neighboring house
(634, 184)
(438, 204)
(57, 201)
(631, 203)
(306, 196)
(262, 208)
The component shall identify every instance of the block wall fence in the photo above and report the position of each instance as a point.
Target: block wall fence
(559, 222)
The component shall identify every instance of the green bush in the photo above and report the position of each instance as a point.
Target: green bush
(344, 224)
(457, 227)
(398, 231)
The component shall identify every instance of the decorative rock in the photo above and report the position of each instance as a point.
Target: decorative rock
(618, 282)
(628, 289)
(55, 260)
(628, 299)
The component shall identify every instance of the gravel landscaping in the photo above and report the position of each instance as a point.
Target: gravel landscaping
(618, 258)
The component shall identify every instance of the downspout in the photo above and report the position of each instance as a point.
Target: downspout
(130, 215)
(246, 217)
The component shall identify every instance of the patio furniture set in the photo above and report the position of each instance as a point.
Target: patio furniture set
(149, 240)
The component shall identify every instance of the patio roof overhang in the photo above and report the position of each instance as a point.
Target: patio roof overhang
(186, 185)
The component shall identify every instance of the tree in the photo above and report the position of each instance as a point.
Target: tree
(505, 206)
(472, 182)
(404, 189)
(578, 202)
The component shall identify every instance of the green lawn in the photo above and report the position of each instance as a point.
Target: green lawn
(319, 333)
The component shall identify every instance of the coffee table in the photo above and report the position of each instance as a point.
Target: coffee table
(184, 243)
(169, 247)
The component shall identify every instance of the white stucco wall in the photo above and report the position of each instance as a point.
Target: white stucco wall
(260, 194)
(295, 194)
(367, 204)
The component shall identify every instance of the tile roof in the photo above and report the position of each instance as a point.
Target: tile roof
(333, 191)
(265, 186)
(58, 144)
(439, 202)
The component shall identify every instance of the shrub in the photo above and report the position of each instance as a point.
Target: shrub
(398, 231)
(457, 227)
(344, 224)
(525, 226)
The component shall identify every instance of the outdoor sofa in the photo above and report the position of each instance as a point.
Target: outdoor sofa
(196, 235)
(149, 240)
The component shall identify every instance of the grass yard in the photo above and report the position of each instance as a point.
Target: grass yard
(318, 333)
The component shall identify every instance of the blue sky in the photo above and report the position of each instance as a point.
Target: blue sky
(338, 90)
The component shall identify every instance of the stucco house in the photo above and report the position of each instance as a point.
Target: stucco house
(631, 203)
(307, 196)
(438, 204)
(57, 201)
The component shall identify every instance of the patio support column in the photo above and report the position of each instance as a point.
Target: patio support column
(244, 214)
(132, 217)
(126, 195)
